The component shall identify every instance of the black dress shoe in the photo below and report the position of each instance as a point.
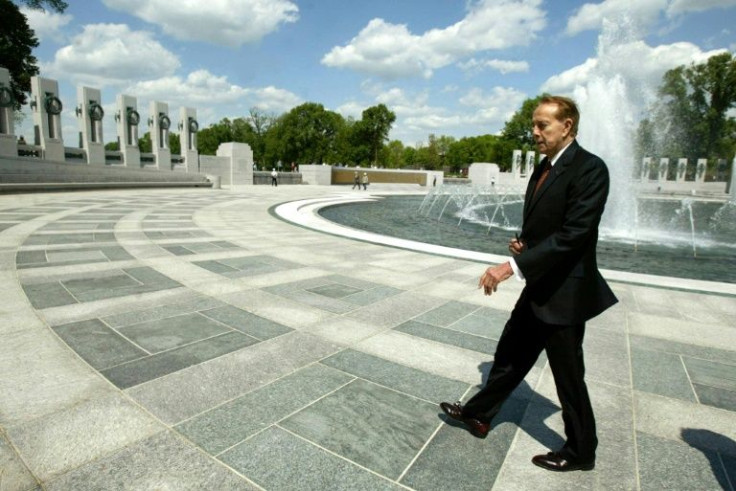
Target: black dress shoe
(455, 411)
(554, 461)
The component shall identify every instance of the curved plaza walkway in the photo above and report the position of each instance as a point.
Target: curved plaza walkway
(192, 339)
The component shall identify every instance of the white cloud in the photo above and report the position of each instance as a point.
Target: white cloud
(203, 89)
(641, 65)
(503, 66)
(112, 54)
(591, 15)
(492, 108)
(46, 25)
(225, 22)
(392, 51)
(642, 13)
(681, 6)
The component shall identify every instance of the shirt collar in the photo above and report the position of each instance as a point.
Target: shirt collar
(558, 154)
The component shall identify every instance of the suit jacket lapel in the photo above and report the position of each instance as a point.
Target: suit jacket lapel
(557, 170)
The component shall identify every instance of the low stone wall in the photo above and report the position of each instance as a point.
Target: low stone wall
(285, 178)
(346, 175)
(31, 174)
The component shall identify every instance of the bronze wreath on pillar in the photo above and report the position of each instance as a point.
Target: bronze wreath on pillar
(193, 125)
(163, 121)
(96, 113)
(53, 105)
(132, 117)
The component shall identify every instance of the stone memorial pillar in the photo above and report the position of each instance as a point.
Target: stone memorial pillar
(188, 128)
(700, 169)
(8, 145)
(531, 157)
(160, 123)
(128, 120)
(646, 166)
(516, 164)
(664, 164)
(90, 114)
(681, 170)
(47, 108)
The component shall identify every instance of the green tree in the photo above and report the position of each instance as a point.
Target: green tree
(394, 154)
(174, 143)
(145, 144)
(375, 126)
(691, 112)
(17, 41)
(518, 129)
(307, 134)
(259, 122)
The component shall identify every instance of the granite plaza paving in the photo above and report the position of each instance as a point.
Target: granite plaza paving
(192, 339)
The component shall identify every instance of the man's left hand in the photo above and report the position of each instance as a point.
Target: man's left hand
(493, 276)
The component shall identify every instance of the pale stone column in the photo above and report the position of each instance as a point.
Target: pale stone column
(531, 157)
(188, 128)
(47, 108)
(128, 119)
(160, 123)
(516, 164)
(646, 165)
(241, 162)
(700, 170)
(664, 164)
(681, 170)
(8, 145)
(90, 114)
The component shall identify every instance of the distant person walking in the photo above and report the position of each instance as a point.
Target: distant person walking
(365, 181)
(356, 180)
(274, 178)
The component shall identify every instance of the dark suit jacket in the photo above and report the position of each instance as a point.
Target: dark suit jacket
(560, 229)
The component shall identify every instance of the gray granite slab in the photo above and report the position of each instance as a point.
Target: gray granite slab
(30, 257)
(667, 464)
(488, 323)
(334, 290)
(707, 372)
(45, 295)
(373, 426)
(660, 373)
(334, 305)
(691, 350)
(164, 334)
(97, 344)
(161, 462)
(251, 324)
(401, 378)
(14, 475)
(215, 267)
(449, 336)
(201, 387)
(454, 459)
(92, 429)
(395, 310)
(136, 316)
(151, 367)
(231, 423)
(275, 459)
(447, 314)
(372, 295)
(81, 287)
(715, 396)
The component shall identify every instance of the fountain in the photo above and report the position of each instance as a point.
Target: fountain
(645, 233)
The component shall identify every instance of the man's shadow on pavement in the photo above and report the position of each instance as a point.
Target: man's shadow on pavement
(720, 452)
(522, 402)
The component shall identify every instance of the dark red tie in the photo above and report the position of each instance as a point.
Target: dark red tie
(546, 167)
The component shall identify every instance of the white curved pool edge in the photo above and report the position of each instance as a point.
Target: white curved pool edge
(304, 213)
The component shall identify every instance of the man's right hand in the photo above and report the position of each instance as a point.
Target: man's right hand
(516, 246)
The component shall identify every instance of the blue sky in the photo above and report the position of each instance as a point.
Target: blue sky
(457, 68)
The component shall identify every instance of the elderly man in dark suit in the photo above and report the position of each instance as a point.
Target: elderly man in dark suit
(556, 256)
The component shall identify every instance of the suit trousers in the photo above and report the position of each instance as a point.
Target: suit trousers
(523, 339)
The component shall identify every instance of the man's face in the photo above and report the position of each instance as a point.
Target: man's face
(550, 133)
